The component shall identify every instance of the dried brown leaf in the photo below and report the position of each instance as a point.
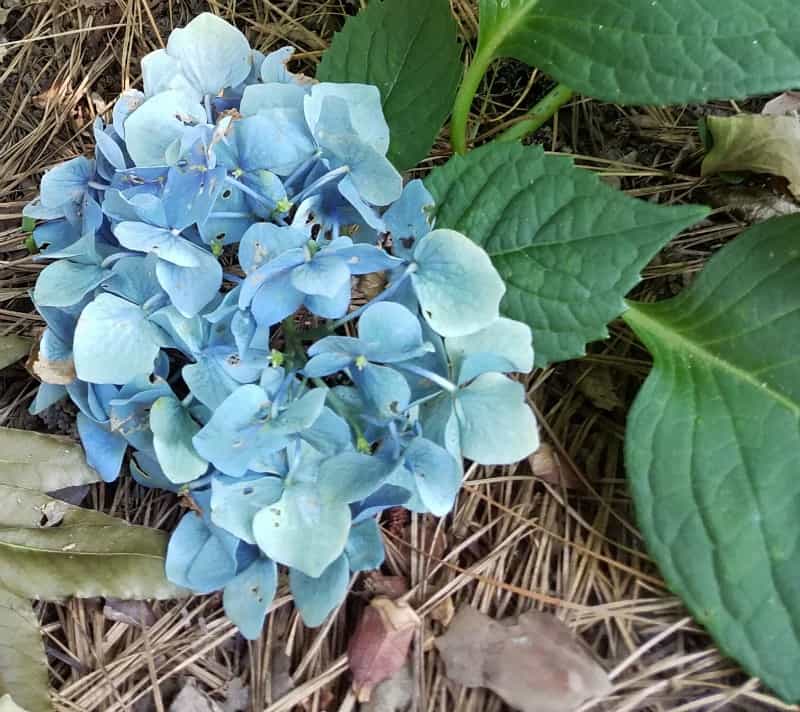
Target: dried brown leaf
(379, 584)
(190, 699)
(548, 465)
(783, 104)
(60, 373)
(136, 613)
(380, 643)
(533, 662)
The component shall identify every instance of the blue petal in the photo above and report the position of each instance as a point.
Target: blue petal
(315, 598)
(324, 275)
(388, 496)
(365, 546)
(208, 381)
(158, 240)
(390, 332)
(64, 283)
(126, 104)
(198, 558)
(47, 394)
(302, 531)
(458, 288)
(365, 259)
(134, 278)
(351, 477)
(156, 124)
(383, 388)
(104, 449)
(408, 219)
(66, 183)
(212, 53)
(173, 429)
(362, 104)
(275, 140)
(276, 299)
(263, 242)
(436, 472)
(496, 424)
(248, 597)
(191, 289)
(114, 341)
(333, 307)
(236, 501)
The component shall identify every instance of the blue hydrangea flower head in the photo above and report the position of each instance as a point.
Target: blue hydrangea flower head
(206, 311)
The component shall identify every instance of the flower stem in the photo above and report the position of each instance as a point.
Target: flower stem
(341, 410)
(466, 95)
(440, 381)
(541, 113)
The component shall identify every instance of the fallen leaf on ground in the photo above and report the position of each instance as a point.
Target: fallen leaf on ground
(759, 144)
(190, 699)
(380, 643)
(547, 464)
(236, 696)
(379, 584)
(281, 678)
(534, 662)
(136, 613)
(392, 695)
(783, 104)
(597, 384)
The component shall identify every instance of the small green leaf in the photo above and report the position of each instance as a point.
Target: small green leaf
(713, 448)
(568, 246)
(87, 554)
(642, 52)
(761, 144)
(12, 349)
(28, 224)
(23, 665)
(409, 50)
(42, 462)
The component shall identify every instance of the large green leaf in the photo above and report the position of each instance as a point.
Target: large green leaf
(713, 448)
(42, 462)
(568, 246)
(86, 554)
(409, 50)
(23, 667)
(12, 349)
(646, 51)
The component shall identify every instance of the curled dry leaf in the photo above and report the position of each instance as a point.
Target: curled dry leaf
(136, 613)
(547, 464)
(56, 372)
(533, 662)
(759, 144)
(380, 643)
(783, 104)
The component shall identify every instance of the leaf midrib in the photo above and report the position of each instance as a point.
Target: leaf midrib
(679, 343)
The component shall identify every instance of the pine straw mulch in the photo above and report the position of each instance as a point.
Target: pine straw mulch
(563, 539)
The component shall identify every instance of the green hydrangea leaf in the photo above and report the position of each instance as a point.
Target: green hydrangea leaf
(23, 665)
(409, 50)
(567, 246)
(713, 448)
(643, 52)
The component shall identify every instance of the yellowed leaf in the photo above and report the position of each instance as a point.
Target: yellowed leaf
(758, 144)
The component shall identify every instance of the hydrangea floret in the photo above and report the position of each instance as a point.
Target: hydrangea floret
(199, 296)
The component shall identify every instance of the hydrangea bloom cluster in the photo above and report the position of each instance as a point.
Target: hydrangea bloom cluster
(289, 442)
